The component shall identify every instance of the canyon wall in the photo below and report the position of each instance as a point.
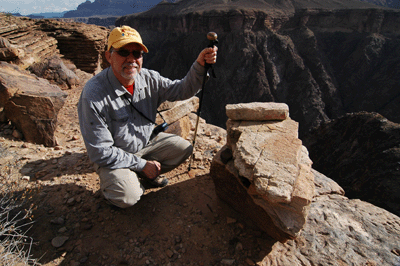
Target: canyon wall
(322, 62)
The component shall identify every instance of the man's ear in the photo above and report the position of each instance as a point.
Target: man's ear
(108, 56)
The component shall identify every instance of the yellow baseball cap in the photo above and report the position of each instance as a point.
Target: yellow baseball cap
(121, 36)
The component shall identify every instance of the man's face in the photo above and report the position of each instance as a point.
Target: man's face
(125, 68)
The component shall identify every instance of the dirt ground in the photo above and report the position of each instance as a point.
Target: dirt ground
(183, 223)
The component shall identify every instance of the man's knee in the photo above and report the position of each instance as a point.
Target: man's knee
(179, 153)
(121, 187)
(185, 147)
(121, 197)
(122, 203)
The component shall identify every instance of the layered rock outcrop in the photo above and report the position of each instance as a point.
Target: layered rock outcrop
(81, 43)
(264, 171)
(27, 41)
(21, 42)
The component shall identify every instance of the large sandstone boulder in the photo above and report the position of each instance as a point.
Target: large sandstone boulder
(264, 171)
(30, 103)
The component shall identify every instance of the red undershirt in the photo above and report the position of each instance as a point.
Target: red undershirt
(130, 88)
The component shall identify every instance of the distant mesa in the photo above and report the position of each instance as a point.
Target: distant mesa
(110, 8)
(42, 15)
(386, 3)
(104, 8)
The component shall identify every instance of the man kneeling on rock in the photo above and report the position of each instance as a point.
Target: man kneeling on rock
(117, 110)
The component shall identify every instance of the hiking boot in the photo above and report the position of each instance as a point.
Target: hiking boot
(159, 181)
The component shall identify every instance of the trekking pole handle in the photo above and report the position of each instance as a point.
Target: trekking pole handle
(213, 40)
(212, 37)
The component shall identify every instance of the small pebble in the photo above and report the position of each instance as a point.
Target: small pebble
(58, 241)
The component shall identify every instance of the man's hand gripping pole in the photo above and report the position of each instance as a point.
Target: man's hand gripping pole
(212, 37)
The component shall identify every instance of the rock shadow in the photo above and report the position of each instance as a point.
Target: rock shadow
(70, 163)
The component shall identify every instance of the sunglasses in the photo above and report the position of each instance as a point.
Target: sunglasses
(126, 53)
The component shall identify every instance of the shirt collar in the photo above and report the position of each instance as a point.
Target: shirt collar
(119, 88)
(140, 83)
(115, 84)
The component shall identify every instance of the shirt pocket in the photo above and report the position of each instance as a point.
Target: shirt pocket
(120, 129)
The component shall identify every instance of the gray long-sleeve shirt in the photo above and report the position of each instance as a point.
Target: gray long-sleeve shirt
(113, 131)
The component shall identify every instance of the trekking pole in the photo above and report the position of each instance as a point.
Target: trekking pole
(212, 37)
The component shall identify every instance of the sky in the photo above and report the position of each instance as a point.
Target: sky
(27, 7)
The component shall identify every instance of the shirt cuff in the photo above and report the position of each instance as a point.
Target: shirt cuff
(140, 165)
(199, 68)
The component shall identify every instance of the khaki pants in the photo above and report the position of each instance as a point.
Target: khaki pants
(122, 187)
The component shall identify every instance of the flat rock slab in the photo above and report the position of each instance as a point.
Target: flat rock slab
(174, 111)
(257, 111)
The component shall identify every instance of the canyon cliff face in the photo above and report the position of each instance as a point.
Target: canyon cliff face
(360, 151)
(323, 61)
